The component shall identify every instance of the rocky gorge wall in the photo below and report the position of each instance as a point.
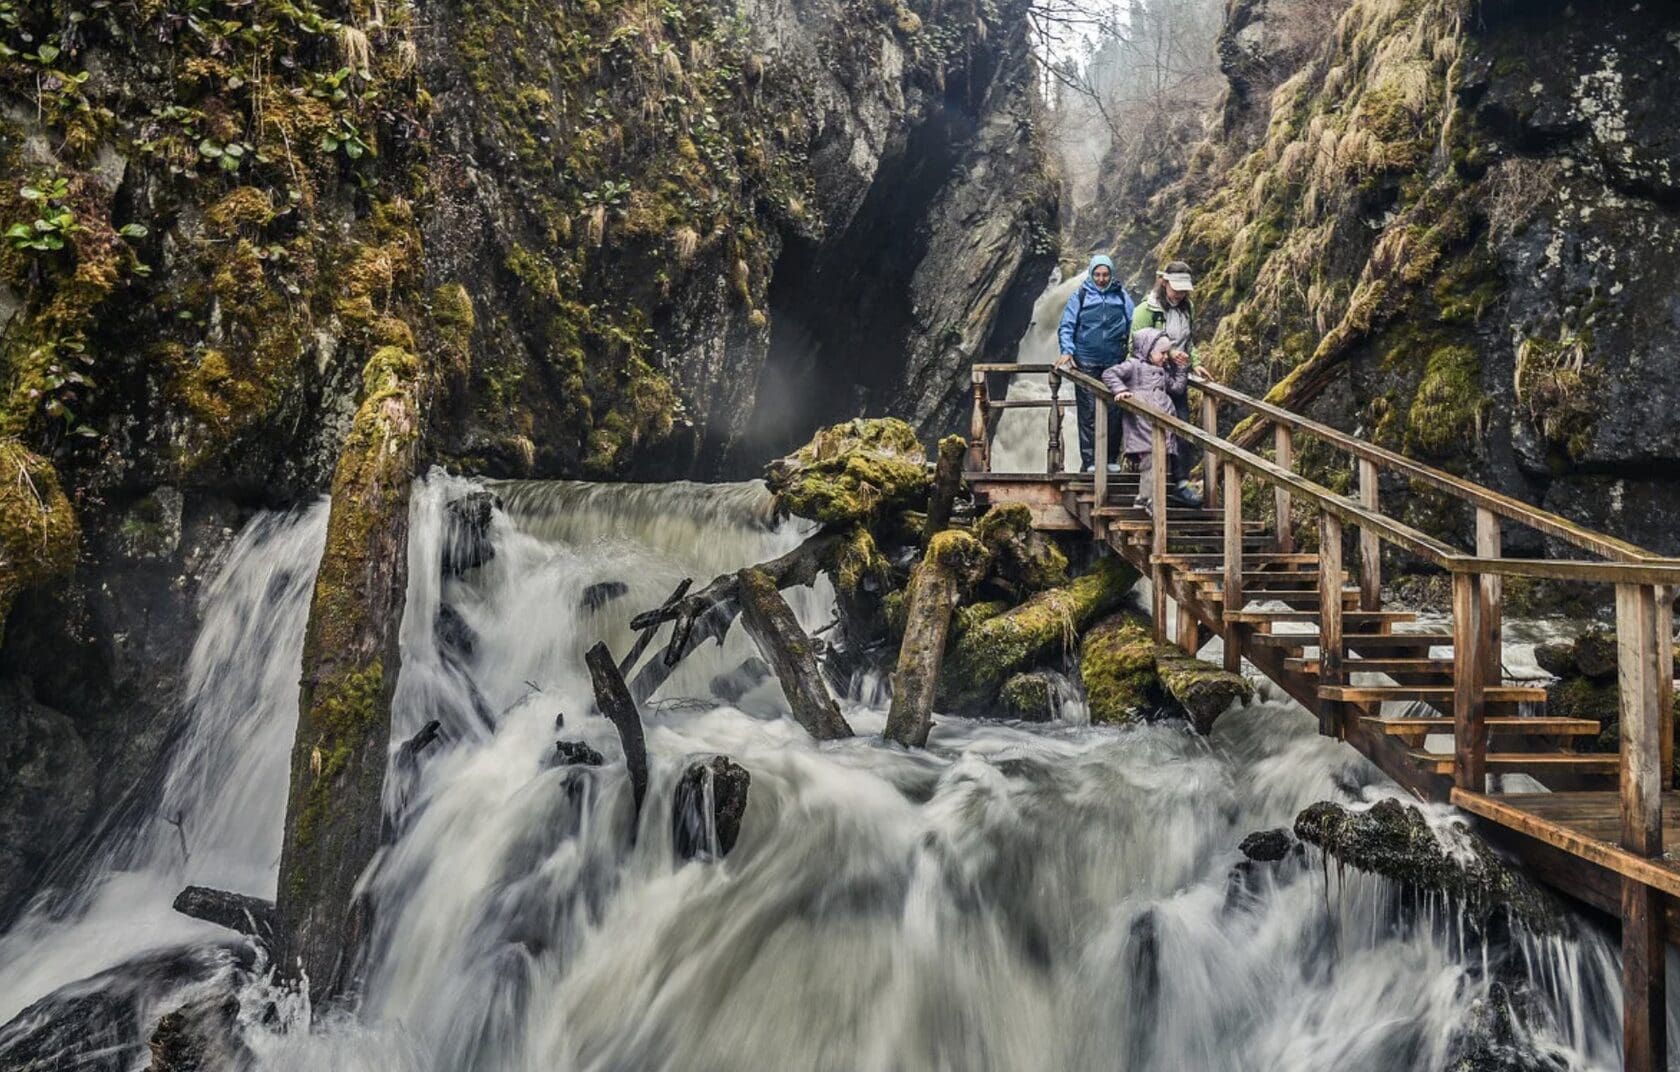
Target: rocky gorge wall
(1449, 226)
(568, 219)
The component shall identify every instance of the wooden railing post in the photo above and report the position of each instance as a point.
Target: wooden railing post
(1158, 526)
(1099, 477)
(979, 456)
(1491, 654)
(1283, 441)
(1233, 586)
(1664, 597)
(1370, 544)
(1210, 464)
(1469, 722)
(1330, 647)
(1641, 680)
(1053, 451)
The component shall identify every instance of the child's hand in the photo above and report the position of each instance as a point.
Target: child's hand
(1122, 395)
(1181, 357)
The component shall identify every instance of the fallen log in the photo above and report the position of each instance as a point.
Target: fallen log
(625, 664)
(250, 916)
(954, 560)
(772, 626)
(947, 481)
(1117, 668)
(1203, 690)
(708, 613)
(990, 653)
(615, 702)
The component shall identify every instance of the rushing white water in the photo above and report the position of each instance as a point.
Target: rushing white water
(1013, 897)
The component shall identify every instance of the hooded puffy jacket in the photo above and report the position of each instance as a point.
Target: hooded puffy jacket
(1096, 325)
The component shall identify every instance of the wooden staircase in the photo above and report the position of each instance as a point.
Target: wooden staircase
(1427, 704)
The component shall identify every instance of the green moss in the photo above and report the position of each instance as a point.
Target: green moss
(1023, 555)
(982, 658)
(344, 710)
(1117, 667)
(1447, 412)
(1560, 391)
(1202, 690)
(38, 531)
(1026, 697)
(970, 615)
(852, 472)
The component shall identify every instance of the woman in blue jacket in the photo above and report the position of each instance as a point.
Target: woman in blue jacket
(1095, 331)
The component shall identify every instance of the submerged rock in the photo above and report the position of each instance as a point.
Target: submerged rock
(250, 916)
(707, 808)
(852, 472)
(731, 685)
(1394, 840)
(576, 754)
(466, 538)
(1268, 846)
(1028, 697)
(601, 593)
(200, 1036)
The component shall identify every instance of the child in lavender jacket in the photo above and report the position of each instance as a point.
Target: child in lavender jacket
(1152, 378)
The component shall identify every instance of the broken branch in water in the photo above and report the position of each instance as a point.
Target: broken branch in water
(652, 625)
(772, 626)
(616, 704)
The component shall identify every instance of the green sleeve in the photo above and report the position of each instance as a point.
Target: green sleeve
(1141, 318)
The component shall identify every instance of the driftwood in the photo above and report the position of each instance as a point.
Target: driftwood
(646, 637)
(936, 585)
(771, 624)
(616, 704)
(947, 481)
(250, 916)
(708, 613)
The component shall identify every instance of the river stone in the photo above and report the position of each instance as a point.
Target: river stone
(691, 827)
(466, 536)
(1595, 654)
(1394, 840)
(1117, 667)
(576, 754)
(1267, 846)
(852, 472)
(1028, 697)
(1557, 658)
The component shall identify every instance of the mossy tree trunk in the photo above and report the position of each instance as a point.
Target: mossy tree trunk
(771, 624)
(954, 561)
(350, 665)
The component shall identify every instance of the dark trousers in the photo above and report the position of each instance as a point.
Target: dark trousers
(1184, 458)
(1086, 406)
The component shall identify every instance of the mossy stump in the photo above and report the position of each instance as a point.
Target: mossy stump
(852, 472)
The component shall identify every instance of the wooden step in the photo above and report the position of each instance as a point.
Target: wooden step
(1129, 518)
(1260, 578)
(1176, 515)
(1523, 762)
(1429, 694)
(1353, 617)
(1216, 560)
(1292, 596)
(1539, 726)
(1353, 641)
(1375, 666)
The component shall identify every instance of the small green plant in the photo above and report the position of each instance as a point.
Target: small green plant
(63, 382)
(345, 136)
(227, 155)
(54, 221)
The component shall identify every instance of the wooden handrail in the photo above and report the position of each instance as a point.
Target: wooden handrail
(1475, 494)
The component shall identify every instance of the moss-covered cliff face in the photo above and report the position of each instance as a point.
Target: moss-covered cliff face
(213, 213)
(1451, 227)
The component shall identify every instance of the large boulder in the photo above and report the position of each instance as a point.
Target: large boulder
(1117, 667)
(1028, 697)
(852, 472)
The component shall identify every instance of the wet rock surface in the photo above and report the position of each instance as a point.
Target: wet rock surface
(708, 807)
(576, 754)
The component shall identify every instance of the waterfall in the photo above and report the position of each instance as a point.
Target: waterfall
(1016, 896)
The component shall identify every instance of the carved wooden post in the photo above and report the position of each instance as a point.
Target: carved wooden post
(1233, 563)
(1469, 723)
(1053, 454)
(979, 453)
(1641, 679)
(1283, 441)
(1370, 544)
(1491, 653)
(1330, 649)
(1158, 527)
(1210, 464)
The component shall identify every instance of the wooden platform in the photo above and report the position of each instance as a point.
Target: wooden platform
(1587, 825)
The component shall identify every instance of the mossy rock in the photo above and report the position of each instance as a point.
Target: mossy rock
(852, 472)
(1595, 654)
(1027, 697)
(979, 662)
(1395, 840)
(1556, 658)
(38, 531)
(1022, 554)
(973, 614)
(1117, 668)
(1203, 690)
(1581, 697)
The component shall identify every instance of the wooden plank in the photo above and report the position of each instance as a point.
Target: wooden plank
(1513, 812)
(1348, 617)
(1536, 726)
(1158, 543)
(1490, 650)
(1370, 543)
(1011, 368)
(1538, 764)
(1295, 597)
(1330, 650)
(1444, 667)
(1211, 466)
(1641, 733)
(1233, 563)
(1468, 693)
(1644, 981)
(1356, 641)
(1283, 453)
(1664, 571)
(1428, 693)
(1214, 558)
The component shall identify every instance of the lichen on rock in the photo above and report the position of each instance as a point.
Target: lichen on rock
(39, 535)
(852, 472)
(1117, 668)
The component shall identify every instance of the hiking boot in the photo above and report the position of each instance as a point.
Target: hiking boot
(1185, 495)
(1143, 504)
(1113, 467)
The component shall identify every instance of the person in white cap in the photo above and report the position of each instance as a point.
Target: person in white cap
(1168, 308)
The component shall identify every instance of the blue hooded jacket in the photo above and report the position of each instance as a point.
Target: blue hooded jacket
(1097, 322)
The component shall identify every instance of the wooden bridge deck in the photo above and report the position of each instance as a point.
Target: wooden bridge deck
(1426, 705)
